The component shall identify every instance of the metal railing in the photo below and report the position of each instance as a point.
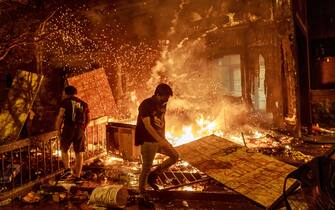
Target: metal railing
(26, 162)
(179, 176)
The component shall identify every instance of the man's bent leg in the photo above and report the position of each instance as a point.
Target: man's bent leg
(79, 164)
(173, 158)
(148, 152)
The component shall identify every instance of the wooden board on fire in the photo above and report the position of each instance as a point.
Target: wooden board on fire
(254, 175)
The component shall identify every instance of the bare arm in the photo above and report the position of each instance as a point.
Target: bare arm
(161, 140)
(59, 119)
(88, 119)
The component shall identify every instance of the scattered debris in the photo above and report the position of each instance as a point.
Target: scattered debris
(317, 128)
(5, 202)
(185, 204)
(11, 172)
(32, 197)
(114, 196)
(60, 197)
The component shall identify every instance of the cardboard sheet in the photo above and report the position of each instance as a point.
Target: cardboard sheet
(255, 175)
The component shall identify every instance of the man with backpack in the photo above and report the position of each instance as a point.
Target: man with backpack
(74, 116)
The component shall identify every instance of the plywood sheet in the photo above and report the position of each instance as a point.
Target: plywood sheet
(93, 88)
(19, 101)
(256, 176)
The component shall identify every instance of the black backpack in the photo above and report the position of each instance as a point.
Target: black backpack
(317, 182)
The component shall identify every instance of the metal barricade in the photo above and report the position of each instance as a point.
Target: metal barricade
(29, 161)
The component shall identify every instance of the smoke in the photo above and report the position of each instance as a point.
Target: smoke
(197, 91)
(184, 64)
(142, 44)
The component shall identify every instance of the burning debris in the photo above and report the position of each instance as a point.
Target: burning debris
(113, 175)
(226, 83)
(181, 181)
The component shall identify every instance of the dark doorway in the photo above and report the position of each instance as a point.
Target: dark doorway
(303, 76)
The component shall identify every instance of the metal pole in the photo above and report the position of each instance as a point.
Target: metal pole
(36, 152)
(3, 165)
(99, 126)
(29, 163)
(21, 176)
(243, 139)
(44, 161)
(12, 166)
(57, 149)
(50, 151)
(93, 139)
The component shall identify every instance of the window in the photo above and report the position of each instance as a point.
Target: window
(259, 99)
(229, 68)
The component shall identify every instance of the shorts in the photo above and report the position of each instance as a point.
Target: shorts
(73, 134)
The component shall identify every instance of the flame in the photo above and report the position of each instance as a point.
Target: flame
(202, 127)
(179, 132)
(57, 153)
(236, 139)
(205, 126)
(186, 137)
(258, 134)
(188, 188)
(113, 160)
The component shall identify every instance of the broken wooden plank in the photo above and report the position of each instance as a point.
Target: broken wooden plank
(19, 101)
(254, 175)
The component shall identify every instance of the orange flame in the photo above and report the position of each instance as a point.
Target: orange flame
(202, 127)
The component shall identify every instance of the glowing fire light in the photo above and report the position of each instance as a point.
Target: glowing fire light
(186, 137)
(112, 159)
(188, 188)
(236, 139)
(202, 127)
(57, 153)
(257, 134)
(133, 98)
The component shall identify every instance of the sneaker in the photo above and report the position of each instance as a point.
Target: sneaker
(145, 203)
(152, 181)
(66, 174)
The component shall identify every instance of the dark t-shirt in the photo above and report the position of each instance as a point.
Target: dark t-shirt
(76, 111)
(150, 108)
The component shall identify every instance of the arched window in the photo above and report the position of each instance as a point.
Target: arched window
(259, 99)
